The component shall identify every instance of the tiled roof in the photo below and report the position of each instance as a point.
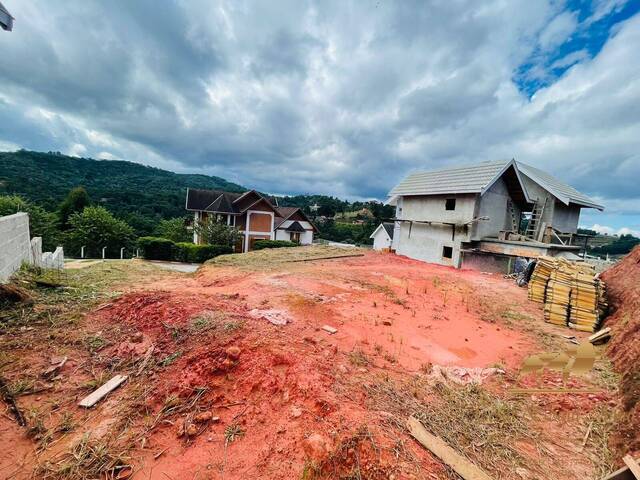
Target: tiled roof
(211, 201)
(389, 228)
(478, 177)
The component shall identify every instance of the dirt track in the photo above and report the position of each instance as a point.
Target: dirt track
(295, 401)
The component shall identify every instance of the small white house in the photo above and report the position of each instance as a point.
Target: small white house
(382, 236)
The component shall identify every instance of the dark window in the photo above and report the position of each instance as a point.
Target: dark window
(450, 204)
(447, 252)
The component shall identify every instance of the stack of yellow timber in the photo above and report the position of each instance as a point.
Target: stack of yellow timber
(540, 277)
(556, 306)
(587, 296)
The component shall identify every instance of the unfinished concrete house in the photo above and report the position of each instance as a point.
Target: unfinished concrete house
(485, 215)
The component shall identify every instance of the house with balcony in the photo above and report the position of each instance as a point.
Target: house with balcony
(254, 215)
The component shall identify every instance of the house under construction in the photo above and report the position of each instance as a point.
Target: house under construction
(484, 215)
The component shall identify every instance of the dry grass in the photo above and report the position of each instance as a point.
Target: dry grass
(86, 459)
(479, 425)
(272, 256)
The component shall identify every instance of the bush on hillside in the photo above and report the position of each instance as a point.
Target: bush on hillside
(156, 248)
(260, 244)
(192, 253)
(175, 229)
(95, 228)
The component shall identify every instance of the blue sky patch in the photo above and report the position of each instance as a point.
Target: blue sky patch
(594, 23)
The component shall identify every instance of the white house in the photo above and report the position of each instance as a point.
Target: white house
(382, 236)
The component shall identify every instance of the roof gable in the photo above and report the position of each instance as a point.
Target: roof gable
(563, 192)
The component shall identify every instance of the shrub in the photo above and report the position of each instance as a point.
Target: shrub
(156, 248)
(260, 244)
(174, 229)
(95, 228)
(192, 253)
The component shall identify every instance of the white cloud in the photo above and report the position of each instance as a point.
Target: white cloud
(558, 30)
(329, 97)
(605, 230)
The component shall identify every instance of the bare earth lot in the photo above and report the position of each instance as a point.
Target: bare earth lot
(232, 376)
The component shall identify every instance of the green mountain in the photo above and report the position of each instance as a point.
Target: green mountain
(136, 193)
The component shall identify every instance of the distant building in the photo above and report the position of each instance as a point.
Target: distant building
(6, 20)
(470, 216)
(252, 214)
(382, 236)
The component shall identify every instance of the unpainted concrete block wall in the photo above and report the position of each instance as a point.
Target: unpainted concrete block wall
(15, 244)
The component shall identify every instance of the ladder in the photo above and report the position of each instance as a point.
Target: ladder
(533, 227)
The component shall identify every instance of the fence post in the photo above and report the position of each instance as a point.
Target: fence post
(103, 252)
(137, 253)
(122, 253)
(82, 251)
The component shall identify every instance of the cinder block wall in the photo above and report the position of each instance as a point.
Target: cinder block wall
(15, 244)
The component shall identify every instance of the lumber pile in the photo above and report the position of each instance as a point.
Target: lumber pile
(539, 279)
(572, 295)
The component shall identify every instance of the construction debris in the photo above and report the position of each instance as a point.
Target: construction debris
(457, 463)
(601, 336)
(93, 398)
(58, 363)
(329, 329)
(572, 295)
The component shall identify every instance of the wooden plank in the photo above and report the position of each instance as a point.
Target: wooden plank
(329, 329)
(93, 398)
(633, 465)
(622, 474)
(459, 464)
(600, 333)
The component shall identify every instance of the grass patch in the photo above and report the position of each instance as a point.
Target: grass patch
(358, 358)
(85, 459)
(169, 359)
(233, 325)
(232, 433)
(478, 424)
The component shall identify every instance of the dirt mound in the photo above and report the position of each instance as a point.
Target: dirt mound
(623, 288)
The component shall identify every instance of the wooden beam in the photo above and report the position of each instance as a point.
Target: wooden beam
(93, 398)
(457, 463)
(633, 465)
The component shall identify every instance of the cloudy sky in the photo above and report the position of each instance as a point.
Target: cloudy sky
(342, 98)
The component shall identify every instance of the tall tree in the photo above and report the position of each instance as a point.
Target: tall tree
(75, 202)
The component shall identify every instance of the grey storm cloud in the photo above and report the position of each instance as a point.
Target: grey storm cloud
(342, 98)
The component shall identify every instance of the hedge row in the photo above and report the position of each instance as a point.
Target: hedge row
(156, 248)
(260, 244)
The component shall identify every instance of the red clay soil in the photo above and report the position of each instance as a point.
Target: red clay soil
(291, 395)
(623, 288)
(289, 384)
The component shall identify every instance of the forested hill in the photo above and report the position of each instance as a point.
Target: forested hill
(136, 193)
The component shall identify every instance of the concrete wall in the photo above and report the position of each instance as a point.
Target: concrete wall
(381, 239)
(15, 244)
(426, 242)
(493, 204)
(566, 217)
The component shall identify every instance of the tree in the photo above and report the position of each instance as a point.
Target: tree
(75, 202)
(41, 223)
(217, 233)
(621, 245)
(173, 229)
(95, 228)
